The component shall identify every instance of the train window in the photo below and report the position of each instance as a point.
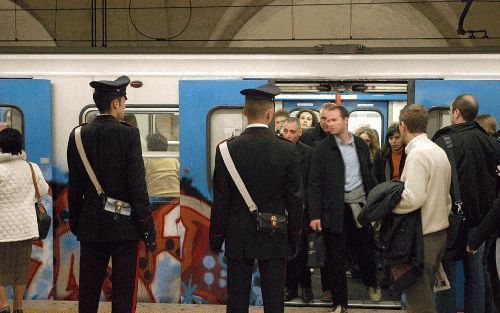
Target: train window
(366, 118)
(439, 117)
(223, 122)
(159, 131)
(11, 116)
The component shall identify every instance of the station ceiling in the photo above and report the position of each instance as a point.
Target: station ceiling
(242, 24)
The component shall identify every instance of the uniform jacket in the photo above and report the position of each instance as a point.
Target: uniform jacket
(327, 178)
(476, 157)
(383, 167)
(17, 198)
(313, 136)
(114, 152)
(269, 167)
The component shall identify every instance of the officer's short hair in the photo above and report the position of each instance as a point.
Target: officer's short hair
(415, 117)
(467, 105)
(11, 141)
(257, 108)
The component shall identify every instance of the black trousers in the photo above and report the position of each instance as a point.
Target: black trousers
(94, 259)
(297, 270)
(361, 243)
(239, 280)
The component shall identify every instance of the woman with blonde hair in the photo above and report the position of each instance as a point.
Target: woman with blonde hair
(18, 224)
(371, 139)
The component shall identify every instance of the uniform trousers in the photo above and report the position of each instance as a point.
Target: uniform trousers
(297, 270)
(239, 281)
(360, 240)
(94, 259)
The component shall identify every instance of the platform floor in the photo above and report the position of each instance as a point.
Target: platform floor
(43, 306)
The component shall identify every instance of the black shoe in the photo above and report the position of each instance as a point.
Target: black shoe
(18, 311)
(5, 309)
(307, 295)
(290, 296)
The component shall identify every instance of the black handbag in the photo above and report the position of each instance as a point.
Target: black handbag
(457, 231)
(271, 223)
(42, 217)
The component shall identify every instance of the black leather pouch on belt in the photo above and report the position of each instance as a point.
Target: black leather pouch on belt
(271, 223)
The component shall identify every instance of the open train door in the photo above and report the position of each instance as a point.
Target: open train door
(209, 112)
(437, 95)
(25, 104)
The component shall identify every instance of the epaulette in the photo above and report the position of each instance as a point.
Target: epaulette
(228, 139)
(125, 123)
(82, 124)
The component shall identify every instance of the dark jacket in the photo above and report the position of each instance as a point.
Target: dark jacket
(488, 227)
(269, 167)
(476, 157)
(400, 235)
(114, 152)
(383, 167)
(313, 136)
(305, 153)
(327, 178)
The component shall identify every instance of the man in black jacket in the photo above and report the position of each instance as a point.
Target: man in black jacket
(113, 149)
(476, 157)
(269, 168)
(340, 178)
(296, 269)
(312, 137)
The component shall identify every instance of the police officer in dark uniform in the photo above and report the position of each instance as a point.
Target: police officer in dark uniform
(269, 168)
(113, 149)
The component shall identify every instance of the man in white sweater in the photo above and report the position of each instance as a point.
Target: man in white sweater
(427, 178)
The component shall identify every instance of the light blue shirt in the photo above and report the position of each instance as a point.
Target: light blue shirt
(353, 177)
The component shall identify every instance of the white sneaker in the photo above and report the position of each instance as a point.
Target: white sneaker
(375, 293)
(339, 309)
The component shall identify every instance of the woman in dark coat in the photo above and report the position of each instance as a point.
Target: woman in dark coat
(389, 161)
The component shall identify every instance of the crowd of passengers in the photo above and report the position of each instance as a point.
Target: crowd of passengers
(355, 250)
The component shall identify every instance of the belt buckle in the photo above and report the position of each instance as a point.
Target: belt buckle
(118, 206)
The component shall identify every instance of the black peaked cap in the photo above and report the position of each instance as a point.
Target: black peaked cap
(264, 92)
(118, 86)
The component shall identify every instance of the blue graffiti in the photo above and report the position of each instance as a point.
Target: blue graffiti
(188, 296)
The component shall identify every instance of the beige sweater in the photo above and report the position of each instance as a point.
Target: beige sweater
(427, 178)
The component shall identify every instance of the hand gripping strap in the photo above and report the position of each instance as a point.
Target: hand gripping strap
(83, 156)
(236, 177)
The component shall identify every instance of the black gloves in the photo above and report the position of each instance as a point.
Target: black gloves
(149, 234)
(294, 245)
(216, 243)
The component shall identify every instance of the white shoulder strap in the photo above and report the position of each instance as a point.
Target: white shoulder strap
(83, 156)
(236, 176)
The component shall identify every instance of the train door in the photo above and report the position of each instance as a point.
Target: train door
(437, 96)
(210, 111)
(25, 104)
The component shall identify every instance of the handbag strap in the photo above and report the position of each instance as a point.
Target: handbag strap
(228, 161)
(83, 156)
(37, 191)
(454, 177)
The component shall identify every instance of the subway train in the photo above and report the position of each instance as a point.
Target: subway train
(194, 101)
